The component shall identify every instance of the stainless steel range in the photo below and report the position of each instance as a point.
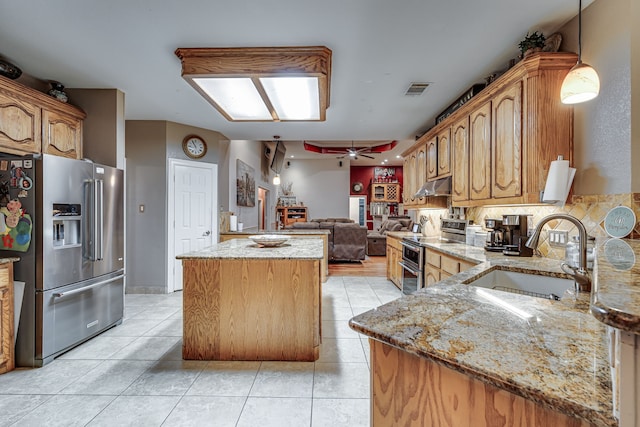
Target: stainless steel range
(412, 264)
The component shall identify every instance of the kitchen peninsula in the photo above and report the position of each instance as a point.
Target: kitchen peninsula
(246, 302)
(451, 355)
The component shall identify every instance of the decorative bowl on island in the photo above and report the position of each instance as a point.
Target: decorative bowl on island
(270, 240)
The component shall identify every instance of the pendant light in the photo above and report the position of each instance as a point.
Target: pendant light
(276, 179)
(582, 83)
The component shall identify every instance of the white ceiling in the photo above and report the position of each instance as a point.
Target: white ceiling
(379, 48)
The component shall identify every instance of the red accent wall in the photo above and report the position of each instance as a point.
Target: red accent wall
(364, 174)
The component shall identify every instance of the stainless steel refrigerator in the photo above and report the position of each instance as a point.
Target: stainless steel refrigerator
(74, 266)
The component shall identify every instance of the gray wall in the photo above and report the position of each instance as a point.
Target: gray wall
(104, 127)
(322, 185)
(250, 152)
(602, 131)
(149, 146)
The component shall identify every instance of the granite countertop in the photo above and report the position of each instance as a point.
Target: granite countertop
(615, 298)
(311, 231)
(247, 249)
(8, 260)
(557, 357)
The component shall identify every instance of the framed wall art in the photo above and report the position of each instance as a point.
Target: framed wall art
(245, 184)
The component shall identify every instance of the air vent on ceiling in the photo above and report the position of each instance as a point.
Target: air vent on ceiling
(416, 89)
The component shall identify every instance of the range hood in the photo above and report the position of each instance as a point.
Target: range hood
(439, 187)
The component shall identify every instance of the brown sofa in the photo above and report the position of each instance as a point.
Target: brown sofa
(377, 239)
(347, 240)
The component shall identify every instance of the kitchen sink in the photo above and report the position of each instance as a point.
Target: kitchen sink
(524, 283)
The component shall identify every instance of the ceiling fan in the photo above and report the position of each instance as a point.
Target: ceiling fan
(352, 152)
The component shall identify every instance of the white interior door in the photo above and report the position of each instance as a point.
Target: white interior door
(192, 201)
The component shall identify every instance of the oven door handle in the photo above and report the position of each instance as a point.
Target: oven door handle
(410, 246)
(408, 268)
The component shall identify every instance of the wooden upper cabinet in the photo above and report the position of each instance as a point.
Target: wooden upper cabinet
(32, 122)
(62, 135)
(20, 126)
(516, 127)
(480, 153)
(432, 158)
(460, 149)
(421, 175)
(507, 148)
(407, 181)
(444, 153)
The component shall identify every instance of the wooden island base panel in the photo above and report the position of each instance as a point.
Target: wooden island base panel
(408, 390)
(251, 309)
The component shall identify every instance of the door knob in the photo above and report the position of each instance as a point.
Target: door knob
(206, 233)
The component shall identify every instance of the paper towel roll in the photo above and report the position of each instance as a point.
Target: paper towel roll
(233, 223)
(559, 182)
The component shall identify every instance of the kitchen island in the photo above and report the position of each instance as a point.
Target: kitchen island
(245, 302)
(294, 233)
(448, 355)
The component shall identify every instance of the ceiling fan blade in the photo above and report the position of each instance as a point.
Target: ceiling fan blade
(368, 157)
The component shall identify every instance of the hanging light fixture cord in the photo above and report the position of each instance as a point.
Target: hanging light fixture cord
(579, 31)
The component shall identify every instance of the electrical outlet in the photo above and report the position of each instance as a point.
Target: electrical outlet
(558, 238)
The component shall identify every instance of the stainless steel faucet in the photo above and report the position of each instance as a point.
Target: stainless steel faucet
(580, 274)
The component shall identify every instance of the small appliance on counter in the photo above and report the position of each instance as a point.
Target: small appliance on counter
(453, 230)
(515, 230)
(495, 235)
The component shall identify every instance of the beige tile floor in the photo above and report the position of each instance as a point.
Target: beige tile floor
(133, 374)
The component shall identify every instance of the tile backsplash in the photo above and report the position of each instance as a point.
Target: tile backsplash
(591, 210)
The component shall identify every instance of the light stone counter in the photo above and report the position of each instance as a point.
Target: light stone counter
(616, 293)
(247, 249)
(558, 358)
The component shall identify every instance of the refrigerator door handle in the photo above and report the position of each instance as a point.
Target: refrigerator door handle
(86, 288)
(98, 219)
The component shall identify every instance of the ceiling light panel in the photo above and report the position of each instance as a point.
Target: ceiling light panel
(238, 97)
(293, 98)
(276, 74)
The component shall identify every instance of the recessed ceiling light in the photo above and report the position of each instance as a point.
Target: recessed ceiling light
(398, 156)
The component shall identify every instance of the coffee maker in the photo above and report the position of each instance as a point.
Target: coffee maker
(515, 230)
(495, 236)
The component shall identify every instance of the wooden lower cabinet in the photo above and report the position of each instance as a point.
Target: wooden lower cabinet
(251, 309)
(394, 256)
(439, 266)
(407, 390)
(7, 358)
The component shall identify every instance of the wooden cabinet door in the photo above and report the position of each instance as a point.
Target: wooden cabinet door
(432, 158)
(7, 360)
(407, 181)
(431, 275)
(413, 179)
(444, 153)
(506, 164)
(421, 172)
(61, 135)
(480, 153)
(460, 149)
(392, 193)
(20, 126)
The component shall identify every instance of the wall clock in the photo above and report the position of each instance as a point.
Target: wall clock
(194, 146)
(357, 187)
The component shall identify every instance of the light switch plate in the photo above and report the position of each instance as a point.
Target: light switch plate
(558, 238)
